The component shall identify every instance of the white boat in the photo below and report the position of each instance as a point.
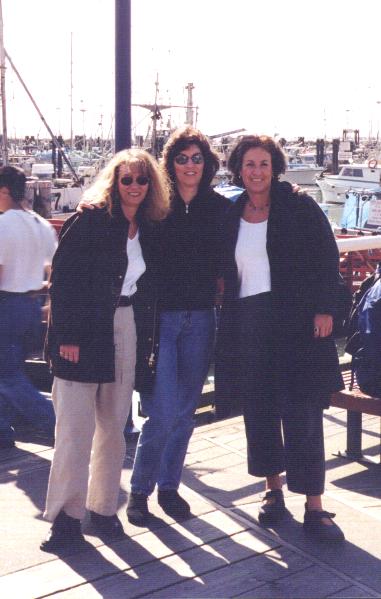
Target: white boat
(51, 196)
(301, 172)
(351, 176)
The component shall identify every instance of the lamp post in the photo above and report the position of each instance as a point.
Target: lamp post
(122, 74)
(347, 120)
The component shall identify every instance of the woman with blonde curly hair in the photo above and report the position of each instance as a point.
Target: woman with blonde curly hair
(103, 280)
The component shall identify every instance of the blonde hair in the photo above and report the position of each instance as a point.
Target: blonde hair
(104, 190)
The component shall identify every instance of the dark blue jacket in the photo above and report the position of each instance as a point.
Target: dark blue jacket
(304, 266)
(87, 275)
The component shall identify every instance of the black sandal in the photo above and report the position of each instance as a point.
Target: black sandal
(314, 525)
(272, 513)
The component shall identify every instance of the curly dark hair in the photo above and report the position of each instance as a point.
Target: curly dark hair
(247, 142)
(180, 140)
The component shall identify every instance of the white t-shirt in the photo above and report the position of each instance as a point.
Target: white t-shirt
(252, 259)
(136, 266)
(27, 245)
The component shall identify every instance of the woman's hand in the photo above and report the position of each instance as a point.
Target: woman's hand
(82, 204)
(70, 353)
(323, 324)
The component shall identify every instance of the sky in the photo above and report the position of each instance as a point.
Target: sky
(290, 68)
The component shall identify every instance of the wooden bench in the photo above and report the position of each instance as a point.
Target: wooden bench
(356, 403)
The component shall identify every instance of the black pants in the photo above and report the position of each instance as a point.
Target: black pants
(283, 431)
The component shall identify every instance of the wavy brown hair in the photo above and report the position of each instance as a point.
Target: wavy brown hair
(180, 140)
(104, 191)
(247, 142)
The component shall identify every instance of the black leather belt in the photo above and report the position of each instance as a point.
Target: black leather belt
(125, 300)
(20, 293)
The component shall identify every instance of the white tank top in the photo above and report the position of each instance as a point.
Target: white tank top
(136, 266)
(252, 259)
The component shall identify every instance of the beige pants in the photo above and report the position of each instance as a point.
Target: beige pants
(90, 446)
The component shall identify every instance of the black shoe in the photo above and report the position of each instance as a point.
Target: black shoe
(314, 525)
(108, 526)
(6, 444)
(271, 513)
(137, 509)
(173, 505)
(64, 533)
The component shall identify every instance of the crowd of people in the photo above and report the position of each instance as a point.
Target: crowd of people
(133, 288)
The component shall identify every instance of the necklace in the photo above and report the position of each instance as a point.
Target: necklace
(258, 208)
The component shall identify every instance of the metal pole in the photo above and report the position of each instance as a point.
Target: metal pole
(2, 91)
(122, 74)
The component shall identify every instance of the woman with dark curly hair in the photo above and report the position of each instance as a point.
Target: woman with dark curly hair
(281, 275)
(189, 269)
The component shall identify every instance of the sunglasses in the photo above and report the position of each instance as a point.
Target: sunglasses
(140, 180)
(183, 158)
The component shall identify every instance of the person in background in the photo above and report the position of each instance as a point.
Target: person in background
(103, 269)
(27, 245)
(281, 272)
(188, 276)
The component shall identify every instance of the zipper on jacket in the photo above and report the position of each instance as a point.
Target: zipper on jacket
(151, 359)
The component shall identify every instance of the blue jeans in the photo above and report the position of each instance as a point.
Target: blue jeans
(20, 318)
(186, 342)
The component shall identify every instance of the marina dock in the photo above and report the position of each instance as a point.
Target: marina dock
(221, 551)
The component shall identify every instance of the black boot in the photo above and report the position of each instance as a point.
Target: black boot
(64, 533)
(107, 526)
(173, 505)
(271, 513)
(137, 509)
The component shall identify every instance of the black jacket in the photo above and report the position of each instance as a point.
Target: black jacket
(191, 251)
(304, 266)
(87, 275)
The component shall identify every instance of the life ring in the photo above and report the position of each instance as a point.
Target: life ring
(372, 163)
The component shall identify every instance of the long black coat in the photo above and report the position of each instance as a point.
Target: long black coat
(304, 266)
(87, 275)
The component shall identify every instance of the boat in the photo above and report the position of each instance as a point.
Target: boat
(365, 176)
(301, 172)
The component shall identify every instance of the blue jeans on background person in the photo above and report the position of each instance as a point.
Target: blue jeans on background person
(186, 343)
(20, 320)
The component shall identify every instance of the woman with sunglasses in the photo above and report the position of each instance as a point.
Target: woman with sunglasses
(103, 268)
(189, 269)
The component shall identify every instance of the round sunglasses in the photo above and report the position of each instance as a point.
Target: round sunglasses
(140, 180)
(183, 158)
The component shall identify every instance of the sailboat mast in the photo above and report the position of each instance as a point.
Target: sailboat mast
(56, 142)
(71, 90)
(2, 91)
(154, 118)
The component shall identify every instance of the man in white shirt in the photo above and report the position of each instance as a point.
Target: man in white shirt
(27, 245)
